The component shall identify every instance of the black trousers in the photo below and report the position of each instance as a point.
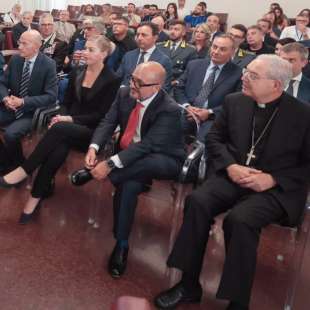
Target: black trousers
(250, 211)
(52, 150)
(133, 180)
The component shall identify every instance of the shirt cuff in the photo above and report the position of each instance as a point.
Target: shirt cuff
(94, 146)
(117, 161)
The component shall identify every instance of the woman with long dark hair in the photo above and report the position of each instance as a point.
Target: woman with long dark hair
(171, 14)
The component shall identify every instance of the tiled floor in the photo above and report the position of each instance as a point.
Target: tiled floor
(59, 261)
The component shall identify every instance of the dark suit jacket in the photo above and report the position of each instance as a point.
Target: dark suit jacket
(180, 57)
(243, 58)
(303, 93)
(286, 154)
(270, 40)
(2, 63)
(99, 98)
(160, 129)
(18, 30)
(190, 83)
(162, 37)
(130, 60)
(57, 50)
(42, 89)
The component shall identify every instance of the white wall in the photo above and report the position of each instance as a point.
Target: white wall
(240, 11)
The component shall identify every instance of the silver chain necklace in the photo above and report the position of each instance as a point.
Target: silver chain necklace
(251, 154)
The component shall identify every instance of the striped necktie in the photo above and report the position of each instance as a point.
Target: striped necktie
(206, 89)
(23, 90)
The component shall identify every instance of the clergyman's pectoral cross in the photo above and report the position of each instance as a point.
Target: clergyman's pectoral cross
(250, 156)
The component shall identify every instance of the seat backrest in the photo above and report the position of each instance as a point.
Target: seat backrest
(9, 40)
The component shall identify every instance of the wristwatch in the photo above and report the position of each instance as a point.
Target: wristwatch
(111, 163)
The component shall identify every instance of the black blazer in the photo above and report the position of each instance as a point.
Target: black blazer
(43, 87)
(18, 30)
(98, 100)
(160, 129)
(58, 50)
(190, 83)
(286, 154)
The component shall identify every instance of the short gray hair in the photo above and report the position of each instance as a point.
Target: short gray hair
(296, 47)
(277, 68)
(27, 13)
(100, 27)
(46, 16)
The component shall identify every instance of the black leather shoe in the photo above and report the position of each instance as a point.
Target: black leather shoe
(25, 218)
(176, 295)
(80, 177)
(236, 306)
(118, 261)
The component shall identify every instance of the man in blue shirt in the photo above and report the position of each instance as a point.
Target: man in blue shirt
(197, 17)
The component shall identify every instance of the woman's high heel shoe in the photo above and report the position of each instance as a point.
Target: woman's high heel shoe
(25, 218)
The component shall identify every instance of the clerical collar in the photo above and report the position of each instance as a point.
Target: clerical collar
(269, 105)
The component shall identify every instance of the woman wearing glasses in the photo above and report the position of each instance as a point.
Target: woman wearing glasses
(90, 93)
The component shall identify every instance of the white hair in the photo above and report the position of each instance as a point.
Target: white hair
(277, 68)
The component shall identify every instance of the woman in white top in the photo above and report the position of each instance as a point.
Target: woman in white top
(14, 16)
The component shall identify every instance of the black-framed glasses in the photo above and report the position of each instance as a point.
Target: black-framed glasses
(139, 84)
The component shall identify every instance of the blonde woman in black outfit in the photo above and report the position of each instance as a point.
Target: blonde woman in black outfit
(90, 93)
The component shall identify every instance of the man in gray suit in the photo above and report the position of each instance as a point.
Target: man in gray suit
(297, 55)
(28, 83)
(177, 49)
(146, 38)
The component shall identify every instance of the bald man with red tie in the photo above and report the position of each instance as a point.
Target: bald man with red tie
(150, 147)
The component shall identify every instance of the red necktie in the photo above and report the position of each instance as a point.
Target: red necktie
(132, 124)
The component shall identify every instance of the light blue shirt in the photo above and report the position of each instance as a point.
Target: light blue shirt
(32, 61)
(209, 71)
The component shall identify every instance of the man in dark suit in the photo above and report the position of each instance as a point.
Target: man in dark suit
(206, 82)
(22, 26)
(160, 22)
(146, 39)
(28, 83)
(297, 55)
(51, 46)
(150, 147)
(180, 52)
(241, 57)
(261, 160)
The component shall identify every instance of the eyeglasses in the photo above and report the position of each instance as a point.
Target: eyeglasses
(46, 25)
(252, 75)
(302, 21)
(139, 84)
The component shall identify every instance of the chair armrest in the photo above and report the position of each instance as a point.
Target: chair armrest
(196, 156)
(42, 115)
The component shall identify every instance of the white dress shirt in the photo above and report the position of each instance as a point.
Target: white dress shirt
(147, 54)
(294, 33)
(297, 80)
(137, 136)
